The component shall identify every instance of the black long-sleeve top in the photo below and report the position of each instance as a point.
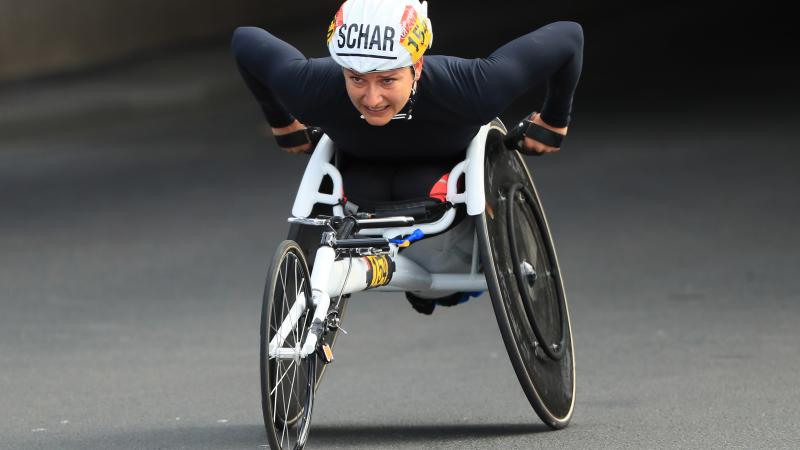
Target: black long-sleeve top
(455, 96)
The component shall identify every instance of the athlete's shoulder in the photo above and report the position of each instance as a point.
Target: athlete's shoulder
(443, 64)
(443, 60)
(326, 65)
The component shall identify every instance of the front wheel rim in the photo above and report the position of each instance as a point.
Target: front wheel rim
(289, 385)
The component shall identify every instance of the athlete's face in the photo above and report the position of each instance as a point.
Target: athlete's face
(379, 96)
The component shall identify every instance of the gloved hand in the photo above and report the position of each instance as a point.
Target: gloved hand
(297, 138)
(532, 136)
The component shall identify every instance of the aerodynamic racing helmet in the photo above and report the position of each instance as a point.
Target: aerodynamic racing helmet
(378, 35)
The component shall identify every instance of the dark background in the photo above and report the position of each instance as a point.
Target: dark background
(668, 50)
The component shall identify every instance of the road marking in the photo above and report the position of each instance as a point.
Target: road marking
(64, 422)
(222, 421)
(38, 430)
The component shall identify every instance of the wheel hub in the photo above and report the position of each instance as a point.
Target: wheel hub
(528, 272)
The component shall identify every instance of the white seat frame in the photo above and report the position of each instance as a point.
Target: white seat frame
(331, 278)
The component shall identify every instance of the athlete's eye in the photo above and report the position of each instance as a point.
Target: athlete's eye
(387, 81)
(356, 80)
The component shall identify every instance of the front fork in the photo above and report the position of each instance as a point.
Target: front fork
(320, 302)
(353, 271)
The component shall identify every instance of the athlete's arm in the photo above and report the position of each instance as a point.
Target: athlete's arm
(552, 54)
(285, 83)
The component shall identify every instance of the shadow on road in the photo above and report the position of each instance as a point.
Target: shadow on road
(195, 437)
(372, 435)
(253, 436)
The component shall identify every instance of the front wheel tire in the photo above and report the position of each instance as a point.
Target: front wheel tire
(287, 385)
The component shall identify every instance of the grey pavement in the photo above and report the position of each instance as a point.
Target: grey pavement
(138, 86)
(134, 242)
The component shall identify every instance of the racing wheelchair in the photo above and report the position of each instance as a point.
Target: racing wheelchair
(512, 256)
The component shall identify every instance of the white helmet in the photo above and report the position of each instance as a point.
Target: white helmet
(378, 35)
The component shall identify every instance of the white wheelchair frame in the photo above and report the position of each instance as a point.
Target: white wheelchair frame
(332, 278)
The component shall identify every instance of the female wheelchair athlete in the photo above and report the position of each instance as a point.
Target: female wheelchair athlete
(512, 257)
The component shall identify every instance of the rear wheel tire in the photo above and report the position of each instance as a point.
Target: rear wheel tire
(528, 300)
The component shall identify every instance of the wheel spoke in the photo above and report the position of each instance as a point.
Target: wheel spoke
(289, 399)
(294, 393)
(282, 274)
(285, 282)
(275, 402)
(285, 373)
(286, 308)
(274, 329)
(300, 288)
(285, 414)
(300, 425)
(294, 329)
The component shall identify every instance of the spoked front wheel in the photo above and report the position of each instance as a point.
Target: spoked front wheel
(287, 382)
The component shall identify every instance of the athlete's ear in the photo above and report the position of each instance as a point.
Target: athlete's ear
(418, 67)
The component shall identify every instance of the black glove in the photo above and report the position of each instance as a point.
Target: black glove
(526, 128)
(310, 135)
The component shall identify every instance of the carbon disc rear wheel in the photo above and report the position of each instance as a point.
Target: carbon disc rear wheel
(525, 285)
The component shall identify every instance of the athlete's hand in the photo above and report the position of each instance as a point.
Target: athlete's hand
(536, 146)
(294, 126)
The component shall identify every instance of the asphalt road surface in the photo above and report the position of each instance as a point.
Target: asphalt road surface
(133, 248)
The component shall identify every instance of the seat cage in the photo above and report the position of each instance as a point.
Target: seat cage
(471, 168)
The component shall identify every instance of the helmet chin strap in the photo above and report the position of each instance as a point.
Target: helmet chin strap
(409, 108)
(412, 99)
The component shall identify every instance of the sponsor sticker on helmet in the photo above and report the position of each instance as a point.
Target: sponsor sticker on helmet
(330, 31)
(416, 35)
(338, 20)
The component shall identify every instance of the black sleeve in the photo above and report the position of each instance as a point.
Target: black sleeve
(283, 80)
(552, 54)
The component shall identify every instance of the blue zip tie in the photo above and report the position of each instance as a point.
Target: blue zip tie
(467, 295)
(413, 237)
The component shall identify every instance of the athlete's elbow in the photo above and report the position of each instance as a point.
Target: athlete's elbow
(567, 32)
(241, 36)
(575, 33)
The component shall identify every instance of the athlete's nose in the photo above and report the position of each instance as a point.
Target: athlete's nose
(372, 97)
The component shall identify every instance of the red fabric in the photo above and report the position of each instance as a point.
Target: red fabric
(439, 190)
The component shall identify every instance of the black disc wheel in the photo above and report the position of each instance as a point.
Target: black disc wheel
(287, 381)
(524, 281)
(534, 272)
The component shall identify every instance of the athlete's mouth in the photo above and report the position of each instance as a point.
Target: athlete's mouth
(371, 110)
